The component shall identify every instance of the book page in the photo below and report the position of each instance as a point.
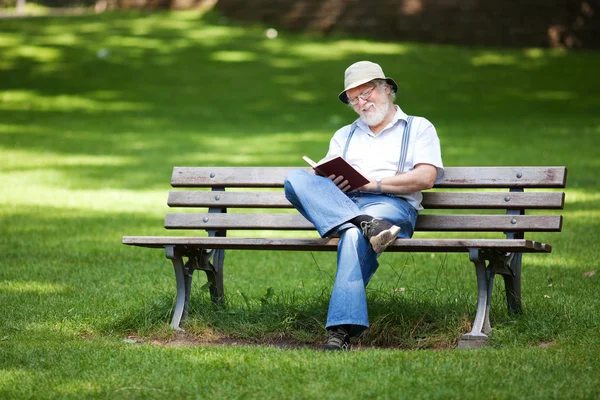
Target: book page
(309, 161)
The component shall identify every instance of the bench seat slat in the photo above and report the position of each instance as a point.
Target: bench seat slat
(414, 245)
(456, 177)
(427, 222)
(439, 200)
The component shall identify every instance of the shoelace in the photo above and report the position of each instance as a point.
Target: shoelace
(337, 335)
(368, 227)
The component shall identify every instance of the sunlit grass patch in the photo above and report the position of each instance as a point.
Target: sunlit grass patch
(31, 287)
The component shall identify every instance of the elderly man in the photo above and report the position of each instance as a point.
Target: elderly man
(401, 156)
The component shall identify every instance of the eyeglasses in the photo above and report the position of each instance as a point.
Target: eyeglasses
(363, 96)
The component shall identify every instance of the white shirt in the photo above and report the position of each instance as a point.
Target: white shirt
(377, 156)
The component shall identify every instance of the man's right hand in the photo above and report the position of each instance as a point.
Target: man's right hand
(340, 182)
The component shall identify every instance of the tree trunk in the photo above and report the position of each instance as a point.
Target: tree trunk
(20, 6)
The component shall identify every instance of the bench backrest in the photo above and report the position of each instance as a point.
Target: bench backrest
(464, 186)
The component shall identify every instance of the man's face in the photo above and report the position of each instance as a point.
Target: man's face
(371, 103)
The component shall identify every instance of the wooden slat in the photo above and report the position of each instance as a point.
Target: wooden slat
(439, 200)
(494, 200)
(456, 177)
(490, 223)
(237, 221)
(499, 177)
(228, 199)
(414, 245)
(430, 222)
(230, 176)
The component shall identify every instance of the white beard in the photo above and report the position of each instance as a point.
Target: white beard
(375, 115)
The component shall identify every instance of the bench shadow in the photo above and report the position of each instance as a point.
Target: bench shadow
(396, 322)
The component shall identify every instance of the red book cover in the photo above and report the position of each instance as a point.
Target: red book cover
(338, 166)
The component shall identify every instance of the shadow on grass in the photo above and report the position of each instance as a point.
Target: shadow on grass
(288, 320)
(66, 270)
(179, 90)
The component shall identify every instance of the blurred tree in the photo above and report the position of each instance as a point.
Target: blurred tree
(554, 23)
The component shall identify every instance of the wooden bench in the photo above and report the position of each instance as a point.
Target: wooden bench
(490, 256)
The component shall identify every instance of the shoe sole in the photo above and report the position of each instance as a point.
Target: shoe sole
(384, 239)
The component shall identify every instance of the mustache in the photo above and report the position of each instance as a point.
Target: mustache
(377, 107)
(368, 105)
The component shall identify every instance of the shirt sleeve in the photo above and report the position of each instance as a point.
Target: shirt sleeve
(427, 148)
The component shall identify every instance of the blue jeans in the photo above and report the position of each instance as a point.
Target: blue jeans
(329, 209)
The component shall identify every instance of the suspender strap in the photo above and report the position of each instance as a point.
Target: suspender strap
(404, 148)
(352, 129)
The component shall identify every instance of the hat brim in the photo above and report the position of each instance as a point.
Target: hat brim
(344, 97)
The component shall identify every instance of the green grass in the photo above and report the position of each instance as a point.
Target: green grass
(94, 113)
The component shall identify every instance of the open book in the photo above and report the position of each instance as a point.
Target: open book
(338, 166)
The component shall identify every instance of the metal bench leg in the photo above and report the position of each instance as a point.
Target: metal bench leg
(512, 277)
(214, 270)
(512, 284)
(214, 274)
(183, 282)
(485, 283)
(184, 274)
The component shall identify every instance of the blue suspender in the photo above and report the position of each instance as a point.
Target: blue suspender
(352, 129)
(403, 148)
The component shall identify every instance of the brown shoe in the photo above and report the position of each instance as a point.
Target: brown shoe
(338, 340)
(379, 233)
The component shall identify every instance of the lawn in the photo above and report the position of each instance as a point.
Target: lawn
(96, 110)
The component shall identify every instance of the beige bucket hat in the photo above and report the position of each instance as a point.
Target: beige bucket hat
(363, 72)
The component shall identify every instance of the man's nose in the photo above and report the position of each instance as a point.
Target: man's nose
(360, 99)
